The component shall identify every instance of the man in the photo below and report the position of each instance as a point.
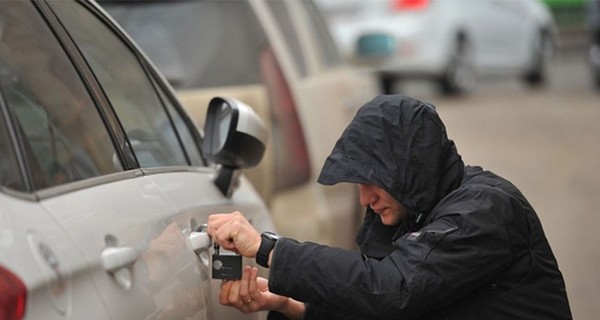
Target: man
(440, 240)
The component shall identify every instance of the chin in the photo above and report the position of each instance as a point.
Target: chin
(389, 221)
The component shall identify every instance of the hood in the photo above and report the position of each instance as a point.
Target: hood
(399, 144)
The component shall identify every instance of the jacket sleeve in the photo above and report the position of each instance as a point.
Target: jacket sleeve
(464, 246)
(312, 313)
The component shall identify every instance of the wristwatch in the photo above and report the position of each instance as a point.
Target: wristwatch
(266, 246)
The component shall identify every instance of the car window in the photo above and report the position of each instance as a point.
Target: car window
(61, 132)
(328, 53)
(126, 83)
(190, 141)
(284, 22)
(10, 173)
(196, 44)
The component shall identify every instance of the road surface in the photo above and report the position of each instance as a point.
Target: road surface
(547, 142)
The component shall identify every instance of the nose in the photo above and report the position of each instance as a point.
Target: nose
(367, 195)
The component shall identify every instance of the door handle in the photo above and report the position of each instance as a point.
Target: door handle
(200, 241)
(115, 258)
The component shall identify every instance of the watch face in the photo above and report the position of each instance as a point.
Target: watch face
(271, 235)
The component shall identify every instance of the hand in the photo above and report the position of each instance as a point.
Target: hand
(233, 232)
(251, 293)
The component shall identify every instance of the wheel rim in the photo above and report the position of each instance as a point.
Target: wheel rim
(461, 73)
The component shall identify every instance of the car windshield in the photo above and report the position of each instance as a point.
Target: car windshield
(190, 42)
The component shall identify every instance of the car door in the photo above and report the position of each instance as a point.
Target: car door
(42, 275)
(519, 35)
(498, 33)
(59, 145)
(131, 233)
(192, 191)
(327, 95)
(348, 89)
(53, 274)
(165, 145)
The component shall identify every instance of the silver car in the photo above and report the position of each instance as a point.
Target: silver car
(451, 42)
(105, 183)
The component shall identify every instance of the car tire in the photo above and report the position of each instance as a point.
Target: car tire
(594, 58)
(387, 83)
(536, 75)
(459, 76)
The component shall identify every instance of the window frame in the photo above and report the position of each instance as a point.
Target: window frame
(292, 37)
(158, 82)
(15, 143)
(18, 144)
(328, 55)
(111, 122)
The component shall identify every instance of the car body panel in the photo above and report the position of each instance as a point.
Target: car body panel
(139, 216)
(194, 207)
(37, 249)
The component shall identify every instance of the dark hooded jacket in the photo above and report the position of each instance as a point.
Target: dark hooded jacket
(472, 247)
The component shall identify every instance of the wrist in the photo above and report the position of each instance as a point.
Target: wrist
(270, 258)
(292, 309)
(256, 246)
(264, 252)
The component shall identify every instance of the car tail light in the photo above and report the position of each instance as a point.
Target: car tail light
(291, 161)
(398, 5)
(13, 295)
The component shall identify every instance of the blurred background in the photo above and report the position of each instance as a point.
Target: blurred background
(544, 138)
(517, 83)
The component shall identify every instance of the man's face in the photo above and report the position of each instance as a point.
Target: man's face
(382, 203)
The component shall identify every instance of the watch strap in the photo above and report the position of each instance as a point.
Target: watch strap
(266, 246)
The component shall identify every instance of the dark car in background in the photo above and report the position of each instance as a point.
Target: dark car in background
(593, 23)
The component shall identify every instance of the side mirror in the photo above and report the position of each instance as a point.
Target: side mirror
(375, 45)
(235, 138)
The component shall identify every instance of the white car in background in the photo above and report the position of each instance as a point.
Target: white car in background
(278, 57)
(451, 42)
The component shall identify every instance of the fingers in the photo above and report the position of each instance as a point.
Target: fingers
(223, 228)
(262, 283)
(245, 294)
(215, 221)
(220, 225)
(233, 232)
(224, 293)
(234, 294)
(253, 285)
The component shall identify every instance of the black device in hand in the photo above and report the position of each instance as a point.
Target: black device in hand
(226, 266)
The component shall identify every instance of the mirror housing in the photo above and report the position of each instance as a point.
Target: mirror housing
(375, 45)
(235, 138)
